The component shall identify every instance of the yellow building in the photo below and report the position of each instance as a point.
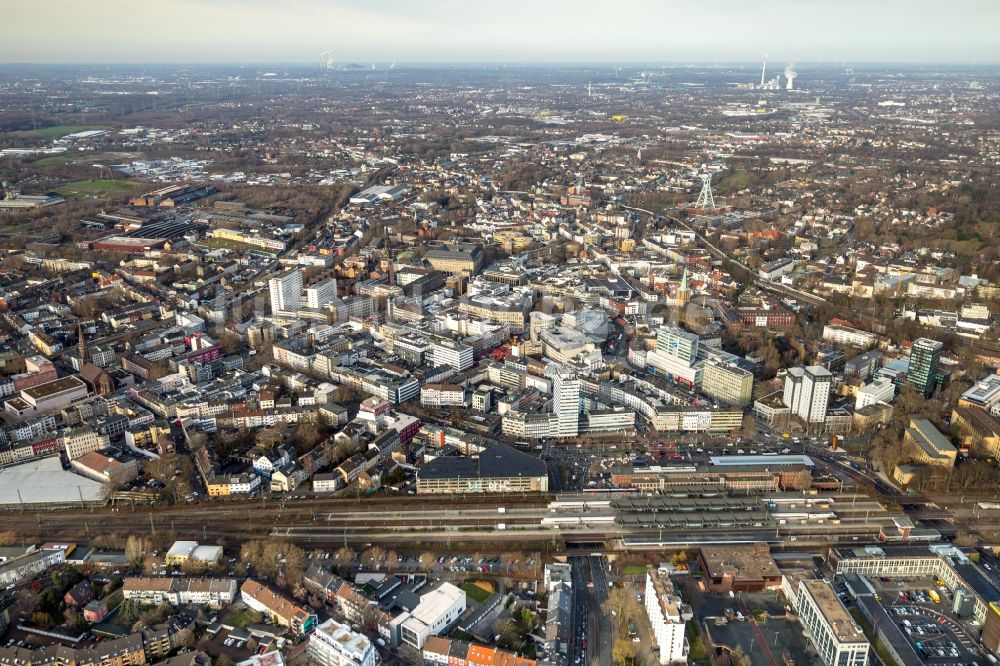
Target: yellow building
(977, 430)
(927, 445)
(729, 383)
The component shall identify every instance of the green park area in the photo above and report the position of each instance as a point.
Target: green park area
(57, 131)
(105, 187)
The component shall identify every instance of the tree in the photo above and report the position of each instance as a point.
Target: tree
(345, 555)
(73, 619)
(25, 603)
(374, 556)
(136, 548)
(129, 611)
(152, 617)
(307, 436)
(623, 651)
(428, 560)
(622, 605)
(738, 657)
(510, 636)
(41, 619)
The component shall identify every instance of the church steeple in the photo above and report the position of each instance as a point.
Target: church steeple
(683, 292)
(81, 343)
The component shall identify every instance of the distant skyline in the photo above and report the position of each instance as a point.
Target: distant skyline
(512, 31)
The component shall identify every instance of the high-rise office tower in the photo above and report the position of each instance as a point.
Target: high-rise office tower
(566, 403)
(925, 357)
(678, 343)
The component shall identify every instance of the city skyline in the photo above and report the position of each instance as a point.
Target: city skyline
(249, 31)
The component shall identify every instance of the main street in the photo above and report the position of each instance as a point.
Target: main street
(594, 631)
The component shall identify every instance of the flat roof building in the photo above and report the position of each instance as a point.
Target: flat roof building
(836, 636)
(499, 468)
(748, 568)
(926, 444)
(437, 610)
(335, 644)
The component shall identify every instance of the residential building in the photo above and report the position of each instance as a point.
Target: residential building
(214, 592)
(335, 644)
(663, 608)
(445, 652)
(320, 294)
(280, 610)
(846, 336)
(286, 291)
(807, 392)
(81, 441)
(21, 568)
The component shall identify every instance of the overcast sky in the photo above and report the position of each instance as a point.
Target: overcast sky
(255, 31)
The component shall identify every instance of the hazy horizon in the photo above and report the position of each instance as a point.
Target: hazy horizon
(467, 32)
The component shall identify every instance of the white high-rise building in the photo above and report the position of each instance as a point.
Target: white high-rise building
(836, 636)
(807, 392)
(880, 390)
(664, 612)
(458, 355)
(286, 291)
(335, 644)
(566, 403)
(321, 293)
(678, 343)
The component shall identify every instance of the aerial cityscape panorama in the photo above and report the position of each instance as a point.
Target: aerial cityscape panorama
(542, 334)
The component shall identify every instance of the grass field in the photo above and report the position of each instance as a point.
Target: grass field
(57, 131)
(97, 188)
(634, 570)
(243, 617)
(737, 181)
(476, 593)
(697, 654)
(85, 158)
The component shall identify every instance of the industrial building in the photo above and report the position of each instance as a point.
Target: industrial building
(497, 469)
(748, 568)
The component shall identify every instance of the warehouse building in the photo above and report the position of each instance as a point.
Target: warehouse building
(497, 469)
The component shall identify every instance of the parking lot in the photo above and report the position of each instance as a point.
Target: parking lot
(922, 611)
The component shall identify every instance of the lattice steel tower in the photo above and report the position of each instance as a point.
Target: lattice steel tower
(706, 199)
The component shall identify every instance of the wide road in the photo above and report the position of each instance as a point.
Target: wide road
(594, 592)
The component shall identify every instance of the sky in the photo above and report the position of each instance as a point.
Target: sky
(509, 31)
